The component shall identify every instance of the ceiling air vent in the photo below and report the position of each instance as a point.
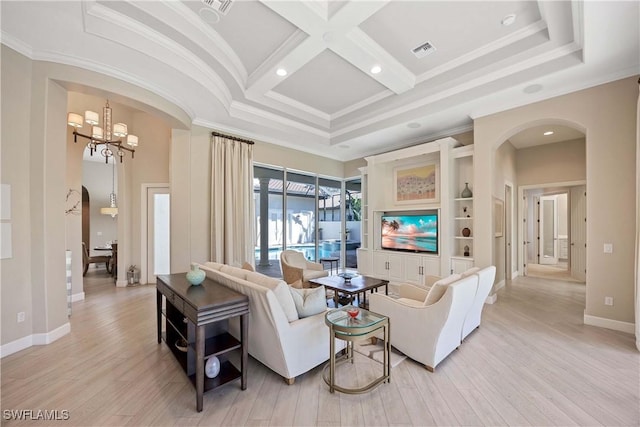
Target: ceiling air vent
(423, 50)
(221, 6)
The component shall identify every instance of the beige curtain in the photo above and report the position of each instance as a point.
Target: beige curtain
(637, 289)
(232, 207)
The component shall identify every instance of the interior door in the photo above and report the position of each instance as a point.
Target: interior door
(578, 236)
(548, 231)
(508, 256)
(158, 227)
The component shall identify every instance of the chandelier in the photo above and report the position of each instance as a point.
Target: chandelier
(107, 136)
(112, 209)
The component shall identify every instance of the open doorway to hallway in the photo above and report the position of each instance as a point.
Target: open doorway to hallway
(554, 229)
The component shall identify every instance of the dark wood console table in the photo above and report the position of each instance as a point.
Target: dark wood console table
(199, 315)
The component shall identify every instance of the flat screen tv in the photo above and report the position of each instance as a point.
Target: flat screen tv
(411, 232)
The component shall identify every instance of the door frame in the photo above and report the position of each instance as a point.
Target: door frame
(522, 259)
(144, 212)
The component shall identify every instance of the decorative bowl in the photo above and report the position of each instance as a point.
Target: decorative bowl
(353, 312)
(347, 276)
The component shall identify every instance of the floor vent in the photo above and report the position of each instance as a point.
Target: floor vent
(423, 50)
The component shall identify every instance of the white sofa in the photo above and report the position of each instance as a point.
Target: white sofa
(425, 324)
(289, 348)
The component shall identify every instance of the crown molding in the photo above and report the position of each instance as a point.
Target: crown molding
(247, 112)
(16, 44)
(298, 106)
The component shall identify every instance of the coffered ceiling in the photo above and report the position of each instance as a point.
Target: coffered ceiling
(219, 60)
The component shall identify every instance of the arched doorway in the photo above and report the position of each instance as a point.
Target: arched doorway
(541, 180)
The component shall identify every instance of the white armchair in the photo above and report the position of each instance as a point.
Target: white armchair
(296, 267)
(429, 332)
(486, 276)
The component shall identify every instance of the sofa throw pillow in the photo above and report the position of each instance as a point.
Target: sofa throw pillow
(284, 297)
(247, 266)
(297, 284)
(309, 301)
(439, 288)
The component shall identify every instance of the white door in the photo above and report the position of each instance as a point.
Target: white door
(578, 236)
(158, 227)
(508, 212)
(548, 231)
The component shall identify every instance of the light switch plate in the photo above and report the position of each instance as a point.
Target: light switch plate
(608, 248)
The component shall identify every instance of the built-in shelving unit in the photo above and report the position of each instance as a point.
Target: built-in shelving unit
(455, 165)
(462, 209)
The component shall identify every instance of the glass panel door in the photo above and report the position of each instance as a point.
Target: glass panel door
(353, 218)
(268, 191)
(331, 233)
(300, 215)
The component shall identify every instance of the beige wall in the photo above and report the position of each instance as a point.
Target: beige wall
(276, 155)
(607, 115)
(505, 173)
(551, 163)
(16, 292)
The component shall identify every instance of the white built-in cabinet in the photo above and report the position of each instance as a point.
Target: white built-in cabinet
(388, 265)
(455, 164)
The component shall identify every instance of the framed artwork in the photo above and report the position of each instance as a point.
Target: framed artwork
(498, 217)
(416, 184)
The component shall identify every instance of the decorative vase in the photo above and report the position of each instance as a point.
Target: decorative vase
(212, 367)
(466, 232)
(466, 251)
(195, 276)
(466, 193)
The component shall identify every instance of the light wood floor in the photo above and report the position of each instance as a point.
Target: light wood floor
(532, 362)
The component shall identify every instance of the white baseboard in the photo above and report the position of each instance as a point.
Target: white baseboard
(616, 325)
(515, 274)
(122, 283)
(34, 339)
(16, 346)
(498, 286)
(491, 299)
(77, 297)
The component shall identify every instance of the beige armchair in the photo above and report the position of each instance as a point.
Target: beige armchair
(296, 267)
(427, 325)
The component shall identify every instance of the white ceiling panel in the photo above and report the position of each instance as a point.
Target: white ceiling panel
(329, 83)
(250, 28)
(453, 31)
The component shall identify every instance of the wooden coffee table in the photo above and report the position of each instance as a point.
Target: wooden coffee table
(357, 285)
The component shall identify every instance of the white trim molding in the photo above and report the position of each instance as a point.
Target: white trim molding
(77, 297)
(616, 325)
(34, 339)
(491, 299)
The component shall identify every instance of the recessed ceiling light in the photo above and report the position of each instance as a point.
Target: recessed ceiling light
(532, 88)
(547, 133)
(376, 69)
(413, 125)
(281, 72)
(509, 19)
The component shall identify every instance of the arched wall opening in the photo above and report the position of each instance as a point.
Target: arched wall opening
(606, 115)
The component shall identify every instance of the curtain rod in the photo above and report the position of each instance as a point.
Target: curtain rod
(246, 141)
